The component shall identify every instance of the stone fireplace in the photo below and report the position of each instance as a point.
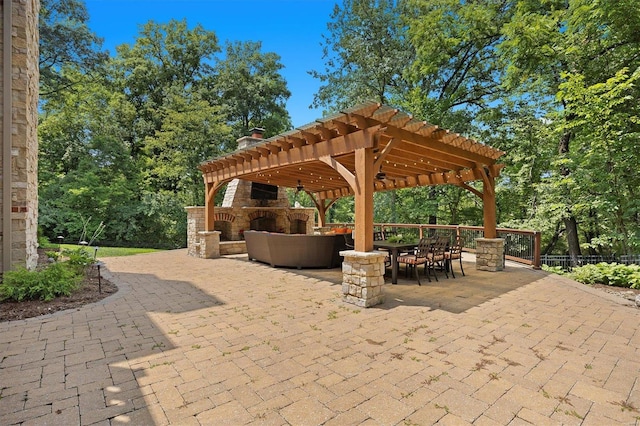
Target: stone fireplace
(247, 206)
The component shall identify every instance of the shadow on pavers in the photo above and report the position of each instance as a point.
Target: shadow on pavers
(454, 295)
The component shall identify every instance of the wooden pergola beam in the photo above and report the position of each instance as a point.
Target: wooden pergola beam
(339, 156)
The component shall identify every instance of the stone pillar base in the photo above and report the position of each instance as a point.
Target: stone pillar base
(209, 247)
(362, 277)
(489, 254)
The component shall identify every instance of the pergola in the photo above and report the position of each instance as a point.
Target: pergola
(359, 151)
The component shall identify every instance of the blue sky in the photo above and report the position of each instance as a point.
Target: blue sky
(291, 28)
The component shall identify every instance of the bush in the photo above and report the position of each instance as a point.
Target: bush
(554, 269)
(613, 274)
(78, 257)
(58, 279)
(589, 274)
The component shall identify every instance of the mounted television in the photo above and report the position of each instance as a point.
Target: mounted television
(263, 191)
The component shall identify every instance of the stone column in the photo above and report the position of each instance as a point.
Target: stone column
(18, 136)
(363, 277)
(209, 244)
(195, 224)
(489, 254)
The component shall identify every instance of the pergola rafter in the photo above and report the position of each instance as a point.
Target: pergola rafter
(340, 155)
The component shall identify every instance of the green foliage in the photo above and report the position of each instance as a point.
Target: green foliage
(57, 279)
(554, 269)
(613, 274)
(590, 274)
(249, 85)
(365, 53)
(80, 257)
(104, 251)
(65, 39)
(55, 255)
(553, 83)
(123, 147)
(455, 73)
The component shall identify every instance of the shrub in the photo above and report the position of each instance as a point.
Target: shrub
(57, 279)
(589, 274)
(55, 255)
(78, 257)
(613, 274)
(554, 269)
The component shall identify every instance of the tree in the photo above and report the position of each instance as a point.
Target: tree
(185, 139)
(365, 54)
(65, 40)
(85, 170)
(544, 43)
(165, 59)
(455, 75)
(249, 85)
(606, 127)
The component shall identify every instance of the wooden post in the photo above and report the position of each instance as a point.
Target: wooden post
(489, 205)
(209, 218)
(322, 213)
(537, 236)
(363, 239)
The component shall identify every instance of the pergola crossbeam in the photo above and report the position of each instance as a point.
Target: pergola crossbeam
(323, 157)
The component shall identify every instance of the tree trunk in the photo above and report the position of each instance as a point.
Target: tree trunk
(570, 222)
(554, 239)
(433, 197)
(571, 226)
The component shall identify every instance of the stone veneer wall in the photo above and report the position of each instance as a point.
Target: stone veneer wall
(196, 221)
(242, 221)
(490, 254)
(195, 224)
(363, 277)
(24, 150)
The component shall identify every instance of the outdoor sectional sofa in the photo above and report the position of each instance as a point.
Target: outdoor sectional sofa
(295, 250)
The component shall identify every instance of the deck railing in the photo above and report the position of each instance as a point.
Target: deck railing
(521, 246)
(565, 261)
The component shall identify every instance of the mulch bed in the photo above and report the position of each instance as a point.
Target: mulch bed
(87, 293)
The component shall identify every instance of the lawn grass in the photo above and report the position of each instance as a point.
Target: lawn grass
(111, 251)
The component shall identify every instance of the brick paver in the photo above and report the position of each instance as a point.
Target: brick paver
(198, 342)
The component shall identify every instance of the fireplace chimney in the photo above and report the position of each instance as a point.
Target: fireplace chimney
(257, 133)
(256, 137)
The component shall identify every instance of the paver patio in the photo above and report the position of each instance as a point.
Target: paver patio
(227, 341)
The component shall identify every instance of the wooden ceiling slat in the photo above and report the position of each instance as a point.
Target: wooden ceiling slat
(435, 157)
(437, 145)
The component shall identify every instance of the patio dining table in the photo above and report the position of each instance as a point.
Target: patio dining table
(394, 249)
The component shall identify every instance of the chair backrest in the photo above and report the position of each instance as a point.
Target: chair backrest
(378, 236)
(424, 247)
(348, 240)
(457, 245)
(440, 246)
